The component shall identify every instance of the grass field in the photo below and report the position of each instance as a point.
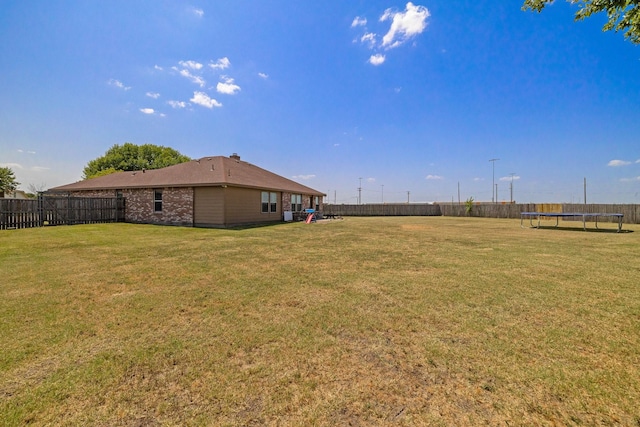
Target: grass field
(365, 321)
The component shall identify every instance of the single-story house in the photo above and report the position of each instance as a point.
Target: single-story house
(209, 192)
(15, 194)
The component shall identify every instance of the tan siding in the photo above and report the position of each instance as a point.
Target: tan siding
(209, 206)
(243, 206)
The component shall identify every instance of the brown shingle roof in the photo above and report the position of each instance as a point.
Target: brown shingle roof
(207, 171)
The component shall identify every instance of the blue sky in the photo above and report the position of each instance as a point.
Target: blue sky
(408, 100)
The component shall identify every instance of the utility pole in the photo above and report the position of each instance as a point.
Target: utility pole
(585, 191)
(493, 181)
(382, 193)
(360, 192)
(408, 192)
(458, 193)
(512, 174)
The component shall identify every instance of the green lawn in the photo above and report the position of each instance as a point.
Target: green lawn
(365, 321)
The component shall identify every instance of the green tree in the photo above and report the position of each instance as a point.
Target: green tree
(130, 157)
(8, 181)
(623, 15)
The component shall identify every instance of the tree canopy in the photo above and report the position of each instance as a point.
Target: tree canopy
(8, 181)
(130, 157)
(623, 15)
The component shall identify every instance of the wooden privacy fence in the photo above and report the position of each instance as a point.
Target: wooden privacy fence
(59, 210)
(386, 209)
(512, 210)
(486, 210)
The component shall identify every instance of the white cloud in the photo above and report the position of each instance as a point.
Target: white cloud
(478, 179)
(638, 161)
(434, 177)
(304, 177)
(39, 168)
(263, 75)
(198, 12)
(358, 22)
(371, 180)
(195, 79)
(118, 84)
(637, 178)
(147, 110)
(191, 64)
(154, 95)
(369, 38)
(508, 178)
(177, 104)
(377, 59)
(404, 25)
(28, 152)
(204, 100)
(220, 64)
(617, 163)
(228, 87)
(157, 67)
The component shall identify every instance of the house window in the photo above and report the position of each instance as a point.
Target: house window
(157, 200)
(269, 202)
(317, 200)
(296, 202)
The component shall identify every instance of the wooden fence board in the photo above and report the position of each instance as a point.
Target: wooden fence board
(486, 210)
(59, 210)
(391, 209)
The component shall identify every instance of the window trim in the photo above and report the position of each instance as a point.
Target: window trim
(268, 202)
(296, 202)
(157, 202)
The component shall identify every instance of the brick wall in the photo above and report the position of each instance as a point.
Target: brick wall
(95, 193)
(307, 201)
(177, 205)
(286, 202)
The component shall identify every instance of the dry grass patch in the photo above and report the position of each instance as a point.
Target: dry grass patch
(366, 321)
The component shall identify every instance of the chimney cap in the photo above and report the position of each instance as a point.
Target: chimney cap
(235, 156)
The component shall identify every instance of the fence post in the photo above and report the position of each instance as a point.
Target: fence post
(40, 209)
(68, 208)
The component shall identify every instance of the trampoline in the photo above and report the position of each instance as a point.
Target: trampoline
(558, 215)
